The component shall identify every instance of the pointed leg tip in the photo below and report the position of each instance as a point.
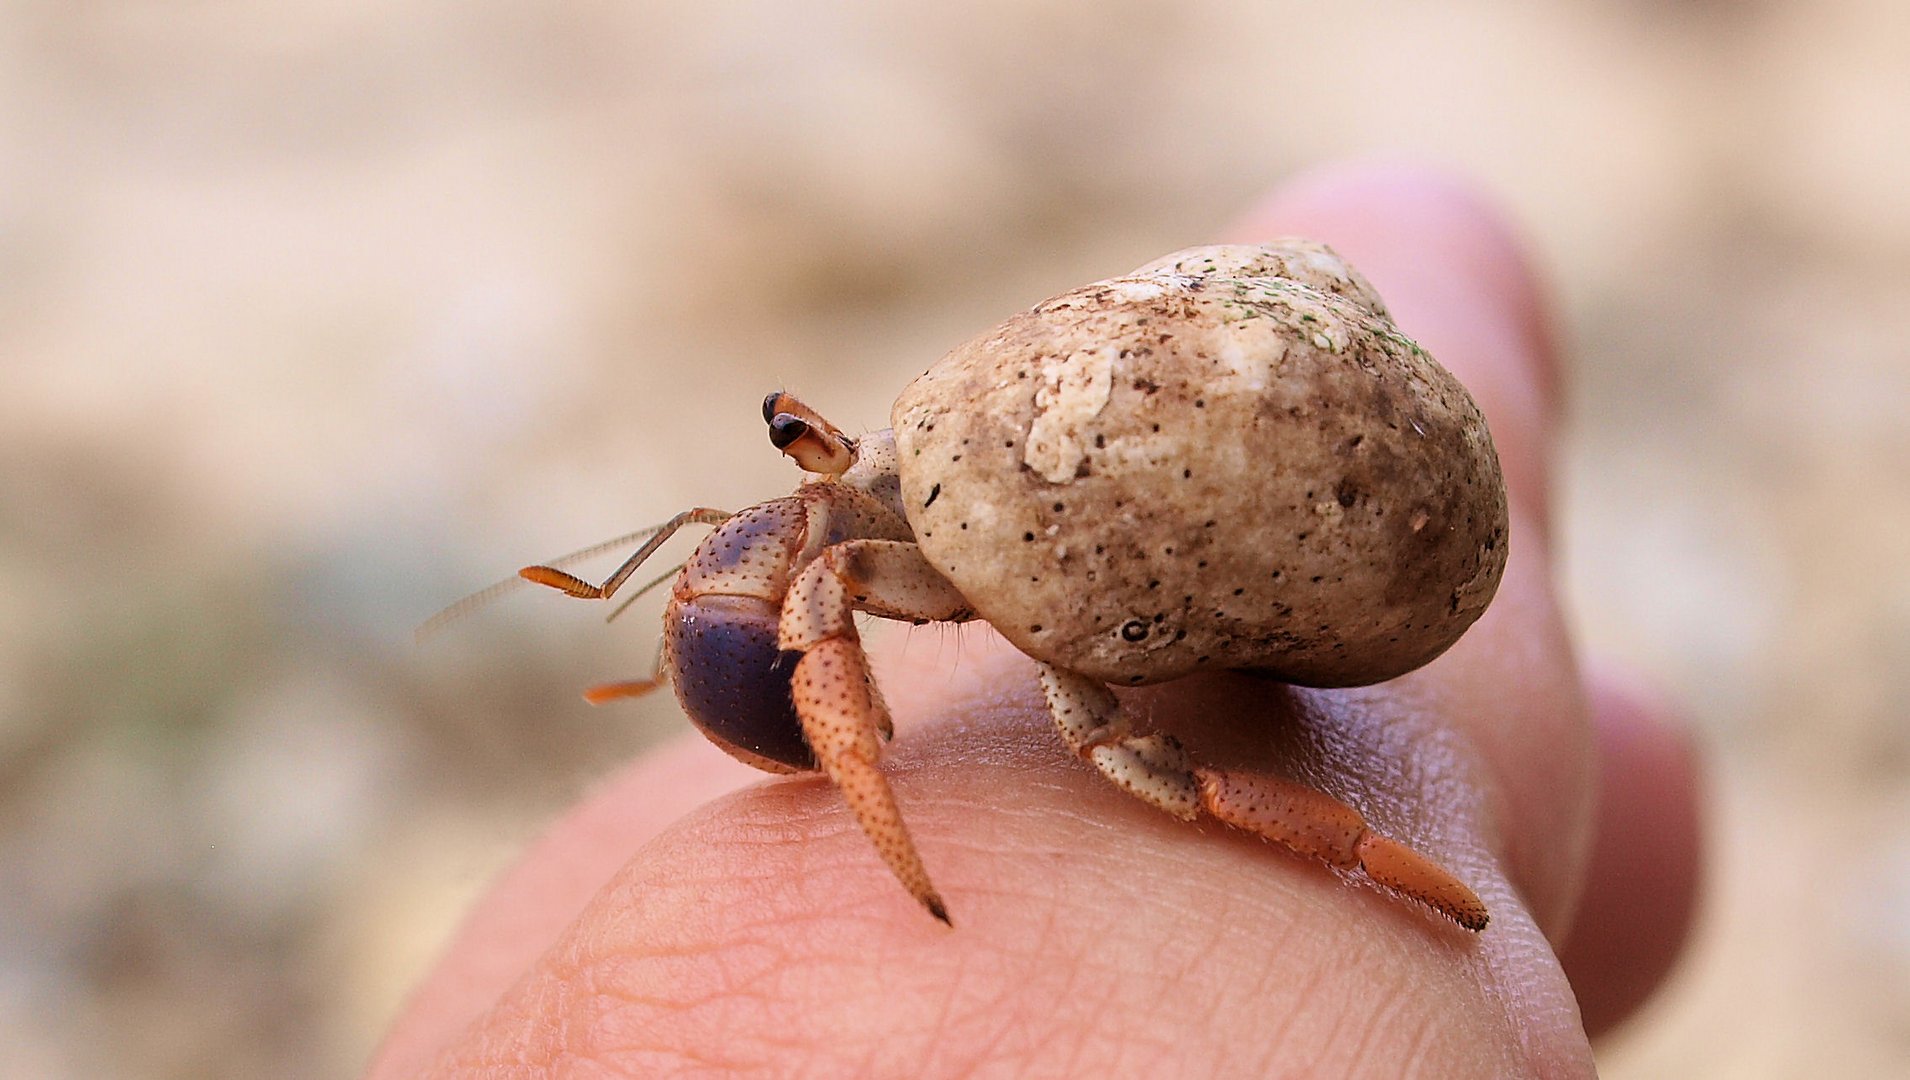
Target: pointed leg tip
(938, 909)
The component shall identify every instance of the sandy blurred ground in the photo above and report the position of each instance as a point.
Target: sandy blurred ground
(315, 316)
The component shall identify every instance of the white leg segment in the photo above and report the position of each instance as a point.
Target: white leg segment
(1152, 768)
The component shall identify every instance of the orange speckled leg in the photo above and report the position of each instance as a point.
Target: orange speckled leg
(1314, 823)
(573, 585)
(604, 693)
(831, 692)
(841, 710)
(1152, 768)
(1310, 822)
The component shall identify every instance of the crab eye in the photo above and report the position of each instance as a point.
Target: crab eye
(814, 443)
(785, 429)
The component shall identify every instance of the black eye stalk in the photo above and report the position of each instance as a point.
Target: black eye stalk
(814, 443)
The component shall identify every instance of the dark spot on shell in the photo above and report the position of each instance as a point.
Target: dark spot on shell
(933, 494)
(1134, 630)
(1027, 537)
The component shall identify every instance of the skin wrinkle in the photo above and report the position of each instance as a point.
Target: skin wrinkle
(1114, 830)
(1393, 999)
(731, 990)
(1036, 1029)
(1282, 945)
(1525, 1007)
(1079, 1040)
(945, 1024)
(1351, 1029)
(735, 1013)
(1222, 914)
(1418, 1048)
(1015, 1033)
(1112, 860)
(945, 1029)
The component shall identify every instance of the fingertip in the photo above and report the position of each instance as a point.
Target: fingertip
(1456, 277)
(1645, 875)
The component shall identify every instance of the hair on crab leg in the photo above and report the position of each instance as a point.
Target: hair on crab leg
(647, 586)
(572, 585)
(459, 609)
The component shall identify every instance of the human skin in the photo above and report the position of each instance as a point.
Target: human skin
(694, 918)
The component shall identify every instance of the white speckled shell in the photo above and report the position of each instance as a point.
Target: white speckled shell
(1229, 458)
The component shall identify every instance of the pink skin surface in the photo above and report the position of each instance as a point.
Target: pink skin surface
(693, 918)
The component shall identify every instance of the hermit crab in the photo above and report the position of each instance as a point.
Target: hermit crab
(1229, 458)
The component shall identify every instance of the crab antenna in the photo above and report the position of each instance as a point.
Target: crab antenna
(460, 610)
(812, 442)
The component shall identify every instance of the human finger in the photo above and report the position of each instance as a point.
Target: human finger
(1642, 886)
(1094, 934)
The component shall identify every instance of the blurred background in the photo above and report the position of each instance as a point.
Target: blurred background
(316, 316)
